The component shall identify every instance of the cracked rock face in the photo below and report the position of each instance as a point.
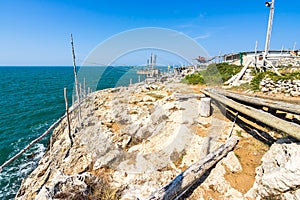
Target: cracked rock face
(279, 175)
(138, 139)
(141, 137)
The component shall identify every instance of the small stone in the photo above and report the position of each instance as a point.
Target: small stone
(148, 99)
(265, 89)
(295, 93)
(232, 162)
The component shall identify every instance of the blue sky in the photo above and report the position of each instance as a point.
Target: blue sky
(37, 32)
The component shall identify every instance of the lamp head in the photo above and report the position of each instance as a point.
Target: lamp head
(268, 4)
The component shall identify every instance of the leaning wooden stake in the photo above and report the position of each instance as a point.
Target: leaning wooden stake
(233, 124)
(31, 144)
(84, 88)
(191, 175)
(37, 139)
(80, 91)
(75, 75)
(67, 114)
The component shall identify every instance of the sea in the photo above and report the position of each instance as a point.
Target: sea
(31, 99)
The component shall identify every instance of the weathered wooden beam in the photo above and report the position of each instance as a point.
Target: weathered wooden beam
(277, 105)
(37, 139)
(191, 175)
(291, 129)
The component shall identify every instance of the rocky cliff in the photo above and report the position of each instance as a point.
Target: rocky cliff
(127, 142)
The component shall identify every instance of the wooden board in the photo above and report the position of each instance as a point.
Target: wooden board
(277, 105)
(186, 179)
(290, 128)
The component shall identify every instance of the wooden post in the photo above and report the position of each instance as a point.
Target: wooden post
(75, 70)
(73, 98)
(179, 185)
(130, 83)
(89, 90)
(205, 107)
(84, 87)
(139, 78)
(232, 127)
(76, 79)
(276, 105)
(36, 140)
(290, 128)
(80, 90)
(67, 114)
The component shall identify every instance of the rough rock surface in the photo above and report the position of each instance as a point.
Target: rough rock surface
(279, 175)
(134, 140)
(140, 137)
(287, 87)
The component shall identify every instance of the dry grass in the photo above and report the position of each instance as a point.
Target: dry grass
(98, 188)
(156, 96)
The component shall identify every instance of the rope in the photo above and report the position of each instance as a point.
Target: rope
(236, 115)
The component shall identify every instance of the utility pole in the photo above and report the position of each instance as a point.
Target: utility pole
(270, 23)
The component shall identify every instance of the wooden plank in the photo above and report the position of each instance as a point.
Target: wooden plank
(191, 175)
(291, 129)
(277, 105)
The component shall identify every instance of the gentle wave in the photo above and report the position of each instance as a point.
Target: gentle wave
(31, 99)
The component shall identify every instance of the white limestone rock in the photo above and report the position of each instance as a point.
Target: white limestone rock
(279, 174)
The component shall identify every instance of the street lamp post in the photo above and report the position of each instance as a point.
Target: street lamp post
(270, 23)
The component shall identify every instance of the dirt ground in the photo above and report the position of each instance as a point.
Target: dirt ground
(249, 151)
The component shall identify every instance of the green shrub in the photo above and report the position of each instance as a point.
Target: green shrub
(196, 78)
(256, 80)
(214, 74)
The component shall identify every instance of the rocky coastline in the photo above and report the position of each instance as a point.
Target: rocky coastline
(130, 141)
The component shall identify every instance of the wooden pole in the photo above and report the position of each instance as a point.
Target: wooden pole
(232, 127)
(36, 140)
(80, 91)
(84, 87)
(73, 99)
(75, 77)
(277, 105)
(178, 186)
(31, 144)
(268, 36)
(291, 129)
(67, 114)
(255, 55)
(75, 70)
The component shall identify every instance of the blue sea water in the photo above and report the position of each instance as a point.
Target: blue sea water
(31, 99)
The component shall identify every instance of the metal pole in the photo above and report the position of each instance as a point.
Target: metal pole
(294, 47)
(270, 23)
(255, 55)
